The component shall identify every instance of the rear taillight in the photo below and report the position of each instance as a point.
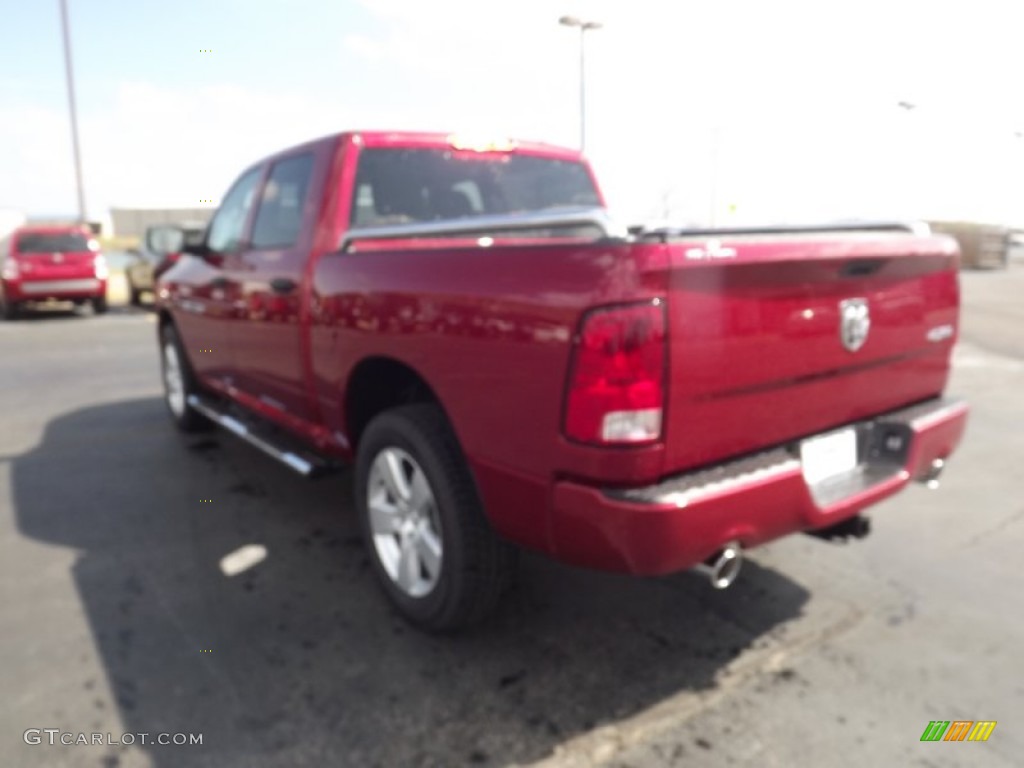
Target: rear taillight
(11, 270)
(617, 375)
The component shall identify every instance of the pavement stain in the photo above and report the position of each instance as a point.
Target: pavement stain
(133, 586)
(908, 613)
(246, 488)
(658, 639)
(511, 679)
(543, 723)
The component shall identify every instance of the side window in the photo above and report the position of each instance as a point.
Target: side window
(279, 217)
(228, 225)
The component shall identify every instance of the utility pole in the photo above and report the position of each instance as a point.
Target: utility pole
(74, 114)
(716, 151)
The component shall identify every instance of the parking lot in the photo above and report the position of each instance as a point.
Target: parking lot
(117, 617)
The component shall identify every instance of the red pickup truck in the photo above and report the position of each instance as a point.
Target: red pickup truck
(504, 368)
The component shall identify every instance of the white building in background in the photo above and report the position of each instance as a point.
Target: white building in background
(10, 220)
(132, 222)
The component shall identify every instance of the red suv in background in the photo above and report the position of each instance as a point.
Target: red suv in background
(40, 263)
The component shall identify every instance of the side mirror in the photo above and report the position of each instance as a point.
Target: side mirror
(195, 241)
(165, 239)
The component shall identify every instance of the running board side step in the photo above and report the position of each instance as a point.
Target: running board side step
(305, 464)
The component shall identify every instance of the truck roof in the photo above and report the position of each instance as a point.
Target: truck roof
(458, 140)
(438, 140)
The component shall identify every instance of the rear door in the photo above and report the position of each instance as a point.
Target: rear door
(268, 341)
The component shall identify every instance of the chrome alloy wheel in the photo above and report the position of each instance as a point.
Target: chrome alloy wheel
(174, 380)
(404, 522)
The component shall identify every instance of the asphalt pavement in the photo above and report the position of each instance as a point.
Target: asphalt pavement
(117, 618)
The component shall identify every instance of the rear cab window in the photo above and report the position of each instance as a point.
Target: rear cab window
(403, 186)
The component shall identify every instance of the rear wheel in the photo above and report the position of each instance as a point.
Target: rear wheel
(99, 305)
(179, 383)
(432, 547)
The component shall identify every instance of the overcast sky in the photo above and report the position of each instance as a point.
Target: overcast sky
(741, 111)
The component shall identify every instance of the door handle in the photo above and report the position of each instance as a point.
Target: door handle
(283, 285)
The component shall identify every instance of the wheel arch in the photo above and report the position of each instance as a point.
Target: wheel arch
(379, 383)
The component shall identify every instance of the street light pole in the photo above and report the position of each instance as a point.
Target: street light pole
(583, 88)
(716, 150)
(74, 114)
(584, 27)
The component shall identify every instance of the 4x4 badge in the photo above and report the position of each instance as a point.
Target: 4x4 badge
(854, 323)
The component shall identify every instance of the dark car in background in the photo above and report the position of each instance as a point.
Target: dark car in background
(146, 266)
(51, 263)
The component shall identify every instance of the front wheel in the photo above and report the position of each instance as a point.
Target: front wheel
(432, 547)
(179, 383)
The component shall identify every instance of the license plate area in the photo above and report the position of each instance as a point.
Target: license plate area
(825, 457)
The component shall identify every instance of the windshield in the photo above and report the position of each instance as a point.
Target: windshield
(51, 242)
(399, 186)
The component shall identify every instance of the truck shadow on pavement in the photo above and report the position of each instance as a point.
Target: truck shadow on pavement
(298, 660)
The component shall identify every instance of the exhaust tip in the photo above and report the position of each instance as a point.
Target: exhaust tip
(856, 527)
(930, 478)
(724, 566)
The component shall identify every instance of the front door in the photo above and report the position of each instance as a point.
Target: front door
(206, 296)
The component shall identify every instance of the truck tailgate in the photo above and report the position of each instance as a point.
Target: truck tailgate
(767, 336)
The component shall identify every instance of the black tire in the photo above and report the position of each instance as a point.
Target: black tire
(136, 296)
(99, 305)
(11, 310)
(476, 565)
(185, 418)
